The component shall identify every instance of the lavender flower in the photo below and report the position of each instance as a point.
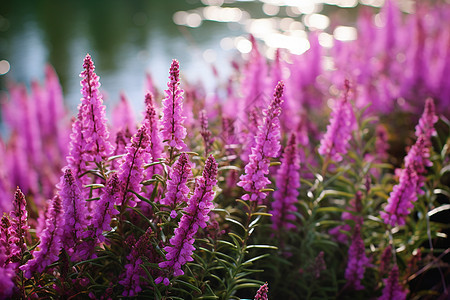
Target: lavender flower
(173, 131)
(133, 271)
(177, 190)
(74, 220)
(50, 241)
(19, 223)
(357, 261)
(267, 145)
(121, 143)
(104, 209)
(261, 294)
(179, 252)
(426, 123)
(155, 146)
(385, 260)
(334, 143)
(6, 283)
(8, 248)
(95, 131)
(392, 289)
(401, 198)
(130, 171)
(288, 183)
(205, 132)
(75, 159)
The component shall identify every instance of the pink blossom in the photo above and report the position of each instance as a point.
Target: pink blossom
(261, 294)
(392, 289)
(357, 261)
(180, 250)
(335, 142)
(267, 145)
(94, 128)
(172, 128)
(288, 183)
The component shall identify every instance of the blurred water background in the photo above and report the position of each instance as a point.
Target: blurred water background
(129, 38)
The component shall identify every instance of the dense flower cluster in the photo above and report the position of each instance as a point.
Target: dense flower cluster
(180, 250)
(267, 145)
(120, 223)
(173, 131)
(288, 183)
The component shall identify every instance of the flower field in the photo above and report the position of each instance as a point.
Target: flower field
(324, 175)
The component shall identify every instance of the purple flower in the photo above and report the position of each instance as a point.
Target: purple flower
(133, 271)
(50, 241)
(288, 183)
(121, 143)
(172, 130)
(177, 190)
(75, 159)
(19, 223)
(385, 260)
(155, 146)
(74, 220)
(104, 208)
(94, 129)
(267, 145)
(130, 171)
(205, 132)
(6, 283)
(261, 294)
(392, 289)
(8, 248)
(425, 127)
(335, 142)
(180, 250)
(357, 261)
(123, 115)
(401, 198)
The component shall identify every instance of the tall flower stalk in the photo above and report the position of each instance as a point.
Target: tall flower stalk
(288, 183)
(334, 143)
(267, 145)
(180, 250)
(172, 129)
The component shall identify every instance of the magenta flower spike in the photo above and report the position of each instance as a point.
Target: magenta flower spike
(261, 294)
(155, 146)
(50, 238)
(357, 260)
(130, 171)
(177, 190)
(205, 132)
(267, 145)
(6, 283)
(392, 289)
(19, 221)
(335, 142)
(401, 198)
(425, 127)
(121, 144)
(288, 183)
(94, 128)
(180, 250)
(104, 209)
(75, 159)
(131, 279)
(75, 212)
(172, 129)
(8, 249)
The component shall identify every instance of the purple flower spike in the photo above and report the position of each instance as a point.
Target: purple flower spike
(19, 221)
(392, 289)
(197, 214)
(334, 143)
(205, 132)
(133, 271)
(75, 159)
(177, 190)
(173, 131)
(427, 121)
(130, 171)
(261, 294)
(75, 212)
(267, 145)
(95, 131)
(50, 241)
(288, 183)
(105, 208)
(155, 147)
(357, 261)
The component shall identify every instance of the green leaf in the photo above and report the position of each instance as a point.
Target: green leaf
(236, 222)
(261, 214)
(261, 247)
(188, 285)
(250, 261)
(330, 209)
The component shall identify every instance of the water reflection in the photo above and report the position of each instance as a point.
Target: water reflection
(129, 38)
